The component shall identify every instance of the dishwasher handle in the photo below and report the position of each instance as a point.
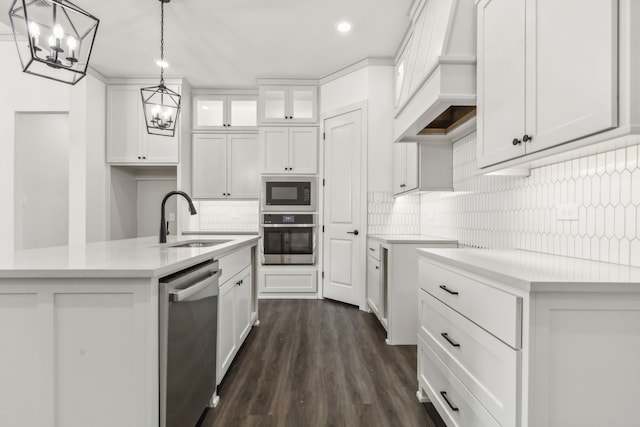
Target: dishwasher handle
(178, 295)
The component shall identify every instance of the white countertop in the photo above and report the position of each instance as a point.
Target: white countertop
(537, 272)
(141, 257)
(410, 239)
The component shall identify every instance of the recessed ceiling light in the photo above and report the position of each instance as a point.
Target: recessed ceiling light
(344, 27)
(162, 64)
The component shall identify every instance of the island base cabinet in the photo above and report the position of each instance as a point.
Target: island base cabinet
(80, 355)
(234, 318)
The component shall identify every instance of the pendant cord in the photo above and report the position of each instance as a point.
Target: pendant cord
(162, 42)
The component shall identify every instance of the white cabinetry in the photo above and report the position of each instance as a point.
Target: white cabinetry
(225, 112)
(552, 80)
(279, 282)
(422, 167)
(375, 286)
(288, 104)
(391, 278)
(236, 314)
(289, 150)
(127, 137)
(508, 340)
(225, 166)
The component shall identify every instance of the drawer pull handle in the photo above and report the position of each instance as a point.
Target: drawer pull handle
(444, 288)
(372, 250)
(446, 337)
(444, 396)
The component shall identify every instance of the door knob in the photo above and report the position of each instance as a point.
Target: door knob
(354, 232)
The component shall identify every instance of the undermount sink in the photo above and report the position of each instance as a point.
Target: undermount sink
(197, 243)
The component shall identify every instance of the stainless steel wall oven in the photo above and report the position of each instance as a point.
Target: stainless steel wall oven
(288, 239)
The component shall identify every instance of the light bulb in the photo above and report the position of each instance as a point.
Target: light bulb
(58, 33)
(34, 29)
(344, 27)
(52, 41)
(156, 111)
(167, 114)
(72, 43)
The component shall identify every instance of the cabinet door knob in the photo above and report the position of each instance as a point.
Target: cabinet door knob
(516, 141)
(377, 267)
(527, 138)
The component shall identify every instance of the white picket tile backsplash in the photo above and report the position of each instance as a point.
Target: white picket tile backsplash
(224, 216)
(387, 215)
(522, 212)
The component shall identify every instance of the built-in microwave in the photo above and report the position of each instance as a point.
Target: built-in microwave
(288, 194)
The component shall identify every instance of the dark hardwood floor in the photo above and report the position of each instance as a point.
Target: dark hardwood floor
(320, 363)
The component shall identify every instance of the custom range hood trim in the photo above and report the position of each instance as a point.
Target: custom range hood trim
(450, 81)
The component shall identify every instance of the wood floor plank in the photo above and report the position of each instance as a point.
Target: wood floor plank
(320, 363)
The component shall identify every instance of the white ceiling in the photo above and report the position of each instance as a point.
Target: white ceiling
(230, 43)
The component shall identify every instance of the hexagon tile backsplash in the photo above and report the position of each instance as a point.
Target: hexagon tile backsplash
(522, 212)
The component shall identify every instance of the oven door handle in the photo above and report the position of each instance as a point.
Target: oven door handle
(287, 225)
(182, 294)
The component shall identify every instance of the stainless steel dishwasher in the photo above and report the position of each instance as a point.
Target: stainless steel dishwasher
(188, 308)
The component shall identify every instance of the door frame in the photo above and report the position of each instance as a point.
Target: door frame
(361, 106)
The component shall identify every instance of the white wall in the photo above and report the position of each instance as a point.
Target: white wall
(506, 212)
(373, 85)
(26, 93)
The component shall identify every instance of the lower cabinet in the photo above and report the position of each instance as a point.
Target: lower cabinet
(235, 308)
(290, 280)
(572, 360)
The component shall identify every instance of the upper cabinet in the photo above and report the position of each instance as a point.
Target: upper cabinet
(127, 137)
(225, 112)
(225, 166)
(288, 104)
(289, 150)
(422, 167)
(553, 80)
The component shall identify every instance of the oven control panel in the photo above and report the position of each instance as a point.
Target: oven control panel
(288, 219)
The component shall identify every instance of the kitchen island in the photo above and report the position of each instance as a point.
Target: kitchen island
(79, 328)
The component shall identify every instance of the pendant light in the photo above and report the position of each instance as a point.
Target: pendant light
(161, 105)
(54, 38)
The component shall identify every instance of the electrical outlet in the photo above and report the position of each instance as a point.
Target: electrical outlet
(567, 212)
(172, 217)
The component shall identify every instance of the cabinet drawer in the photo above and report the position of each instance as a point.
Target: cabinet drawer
(497, 311)
(373, 249)
(234, 263)
(485, 365)
(455, 404)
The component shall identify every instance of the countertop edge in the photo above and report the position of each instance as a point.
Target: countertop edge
(533, 286)
(214, 252)
(427, 241)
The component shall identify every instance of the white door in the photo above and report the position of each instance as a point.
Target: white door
(303, 150)
(345, 232)
(274, 149)
(209, 166)
(572, 73)
(501, 80)
(243, 167)
(399, 167)
(41, 180)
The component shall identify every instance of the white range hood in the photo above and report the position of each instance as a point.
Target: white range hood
(436, 72)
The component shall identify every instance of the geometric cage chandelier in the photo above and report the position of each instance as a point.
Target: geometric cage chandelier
(161, 105)
(58, 38)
